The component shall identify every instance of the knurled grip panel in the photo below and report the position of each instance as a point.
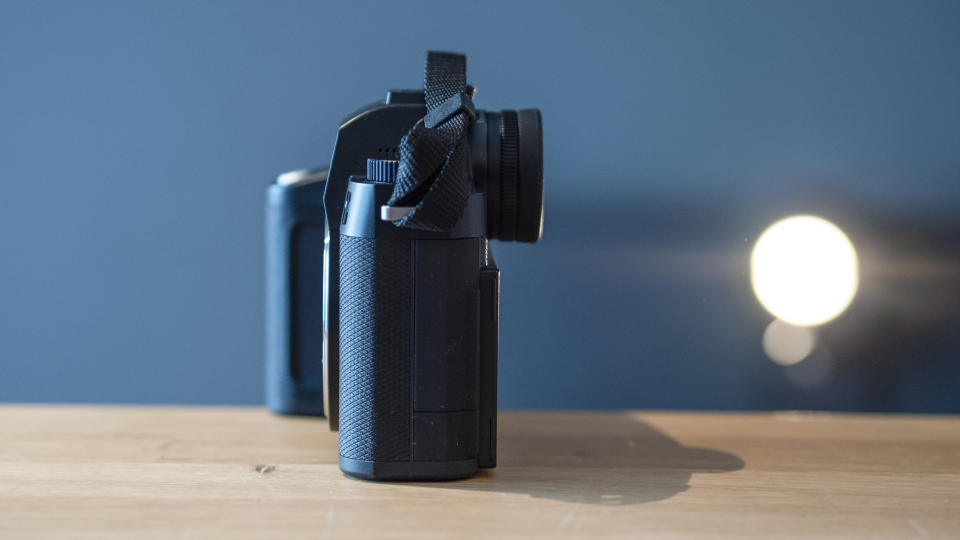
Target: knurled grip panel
(375, 348)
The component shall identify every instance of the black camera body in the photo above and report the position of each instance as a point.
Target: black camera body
(410, 312)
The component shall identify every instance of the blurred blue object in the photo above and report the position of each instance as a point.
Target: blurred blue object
(137, 140)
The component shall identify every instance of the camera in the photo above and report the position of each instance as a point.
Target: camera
(388, 321)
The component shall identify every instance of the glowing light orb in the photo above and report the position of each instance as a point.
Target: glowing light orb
(804, 270)
(787, 344)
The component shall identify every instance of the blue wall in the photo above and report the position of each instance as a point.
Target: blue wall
(137, 140)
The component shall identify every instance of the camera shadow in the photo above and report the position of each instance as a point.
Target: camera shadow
(609, 459)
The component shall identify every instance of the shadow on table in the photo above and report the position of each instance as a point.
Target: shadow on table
(596, 459)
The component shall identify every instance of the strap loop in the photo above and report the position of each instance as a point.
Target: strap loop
(454, 104)
(434, 171)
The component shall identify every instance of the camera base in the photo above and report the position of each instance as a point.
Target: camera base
(409, 470)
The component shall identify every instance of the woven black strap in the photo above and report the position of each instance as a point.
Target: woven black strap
(434, 173)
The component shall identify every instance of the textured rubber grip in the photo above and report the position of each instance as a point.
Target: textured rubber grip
(375, 349)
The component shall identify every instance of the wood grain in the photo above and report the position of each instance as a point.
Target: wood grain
(122, 472)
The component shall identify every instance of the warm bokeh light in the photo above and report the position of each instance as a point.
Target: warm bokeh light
(804, 270)
(787, 344)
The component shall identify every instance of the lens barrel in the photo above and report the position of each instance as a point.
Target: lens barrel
(514, 174)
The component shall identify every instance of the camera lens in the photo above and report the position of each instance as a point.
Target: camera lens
(515, 175)
(529, 176)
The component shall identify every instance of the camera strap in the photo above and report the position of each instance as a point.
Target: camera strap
(434, 170)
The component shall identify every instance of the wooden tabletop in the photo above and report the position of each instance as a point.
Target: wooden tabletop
(124, 472)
